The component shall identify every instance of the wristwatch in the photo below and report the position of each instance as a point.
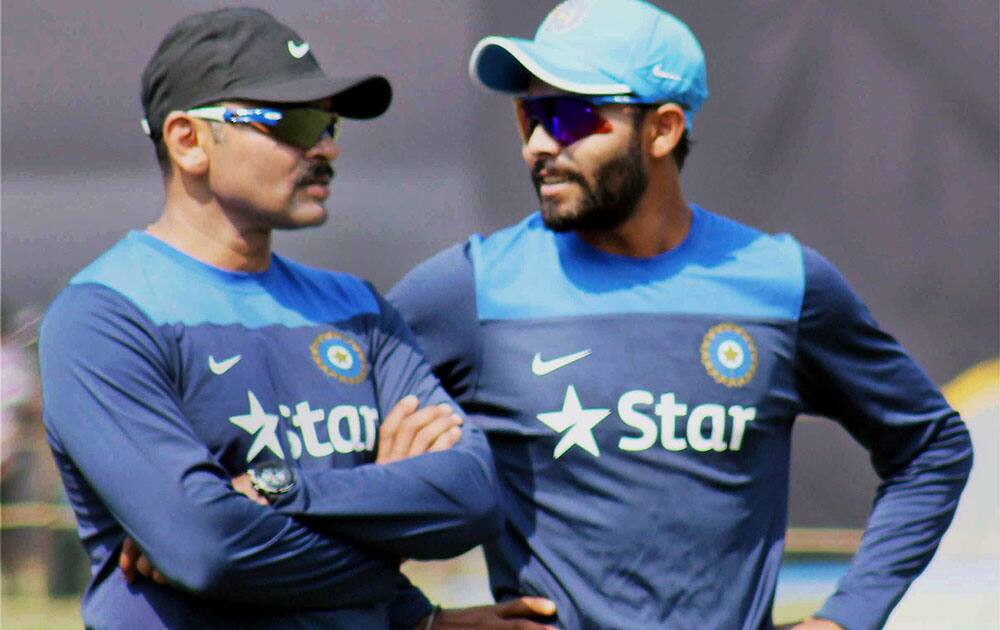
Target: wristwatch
(271, 478)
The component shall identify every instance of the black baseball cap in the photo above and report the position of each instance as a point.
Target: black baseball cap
(246, 54)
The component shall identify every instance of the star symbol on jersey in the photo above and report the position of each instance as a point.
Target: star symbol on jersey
(575, 423)
(731, 354)
(264, 425)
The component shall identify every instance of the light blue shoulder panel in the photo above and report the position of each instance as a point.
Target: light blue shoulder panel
(722, 268)
(171, 287)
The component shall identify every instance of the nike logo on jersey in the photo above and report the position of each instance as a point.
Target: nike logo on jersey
(221, 367)
(540, 367)
(298, 50)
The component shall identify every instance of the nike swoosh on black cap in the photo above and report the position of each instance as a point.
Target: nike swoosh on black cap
(246, 54)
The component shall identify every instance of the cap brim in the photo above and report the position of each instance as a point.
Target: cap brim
(507, 64)
(353, 97)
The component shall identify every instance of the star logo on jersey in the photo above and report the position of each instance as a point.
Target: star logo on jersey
(575, 423)
(339, 356)
(264, 427)
(729, 355)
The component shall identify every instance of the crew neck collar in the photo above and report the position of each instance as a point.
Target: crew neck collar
(678, 252)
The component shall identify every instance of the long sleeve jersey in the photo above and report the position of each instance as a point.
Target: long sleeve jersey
(164, 377)
(640, 413)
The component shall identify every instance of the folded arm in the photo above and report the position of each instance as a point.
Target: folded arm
(112, 409)
(434, 505)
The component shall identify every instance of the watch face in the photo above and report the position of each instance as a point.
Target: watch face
(272, 477)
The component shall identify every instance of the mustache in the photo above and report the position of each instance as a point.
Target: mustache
(318, 173)
(549, 165)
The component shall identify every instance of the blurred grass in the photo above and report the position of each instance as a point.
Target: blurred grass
(39, 612)
(25, 604)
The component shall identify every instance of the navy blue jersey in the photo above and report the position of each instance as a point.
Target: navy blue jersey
(640, 414)
(164, 377)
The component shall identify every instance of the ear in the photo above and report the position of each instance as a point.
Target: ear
(667, 124)
(184, 139)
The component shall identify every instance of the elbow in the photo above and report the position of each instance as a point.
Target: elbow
(967, 456)
(202, 572)
(474, 518)
(203, 581)
(465, 532)
(956, 443)
(479, 514)
(481, 503)
(207, 568)
(483, 517)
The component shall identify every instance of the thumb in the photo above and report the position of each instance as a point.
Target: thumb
(526, 607)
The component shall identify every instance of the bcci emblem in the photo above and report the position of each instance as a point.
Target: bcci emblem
(729, 355)
(340, 357)
(566, 16)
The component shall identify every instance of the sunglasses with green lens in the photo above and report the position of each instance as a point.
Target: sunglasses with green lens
(300, 127)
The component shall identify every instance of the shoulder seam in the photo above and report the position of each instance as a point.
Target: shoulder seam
(478, 363)
(796, 330)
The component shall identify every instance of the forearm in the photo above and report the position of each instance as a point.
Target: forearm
(431, 506)
(237, 551)
(912, 510)
(205, 538)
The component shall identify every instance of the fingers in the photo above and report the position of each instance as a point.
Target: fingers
(526, 607)
(387, 432)
(509, 615)
(431, 432)
(409, 431)
(133, 563)
(244, 486)
(127, 558)
(415, 424)
(144, 567)
(446, 440)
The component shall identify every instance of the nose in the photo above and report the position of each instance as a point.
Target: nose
(539, 144)
(326, 149)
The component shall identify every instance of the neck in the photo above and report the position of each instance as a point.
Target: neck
(661, 221)
(200, 227)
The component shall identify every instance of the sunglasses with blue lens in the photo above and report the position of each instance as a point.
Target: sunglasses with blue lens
(568, 118)
(300, 127)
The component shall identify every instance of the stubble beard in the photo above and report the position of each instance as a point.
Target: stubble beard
(613, 200)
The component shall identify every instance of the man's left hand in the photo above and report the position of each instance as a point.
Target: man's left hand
(509, 615)
(133, 562)
(811, 624)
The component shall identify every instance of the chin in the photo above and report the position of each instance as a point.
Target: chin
(559, 218)
(303, 218)
(315, 221)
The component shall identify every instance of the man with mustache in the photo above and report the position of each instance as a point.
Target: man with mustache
(189, 355)
(637, 362)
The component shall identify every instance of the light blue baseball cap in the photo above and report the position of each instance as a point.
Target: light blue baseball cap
(601, 47)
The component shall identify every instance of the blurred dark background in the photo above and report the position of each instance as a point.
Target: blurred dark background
(867, 129)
